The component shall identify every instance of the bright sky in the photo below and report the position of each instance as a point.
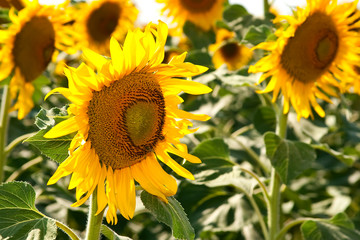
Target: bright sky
(149, 9)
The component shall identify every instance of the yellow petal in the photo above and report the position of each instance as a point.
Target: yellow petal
(63, 128)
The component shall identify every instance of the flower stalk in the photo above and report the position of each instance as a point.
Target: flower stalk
(94, 221)
(275, 185)
(4, 113)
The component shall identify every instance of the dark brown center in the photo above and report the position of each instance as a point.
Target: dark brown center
(126, 119)
(198, 6)
(102, 22)
(33, 47)
(310, 52)
(230, 50)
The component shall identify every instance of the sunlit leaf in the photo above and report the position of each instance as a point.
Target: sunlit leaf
(111, 235)
(346, 159)
(289, 158)
(171, 213)
(54, 148)
(19, 218)
(339, 227)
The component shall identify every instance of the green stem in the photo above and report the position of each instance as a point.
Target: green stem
(16, 141)
(266, 7)
(253, 155)
(67, 230)
(4, 112)
(94, 221)
(257, 211)
(275, 184)
(291, 224)
(262, 186)
(23, 168)
(274, 205)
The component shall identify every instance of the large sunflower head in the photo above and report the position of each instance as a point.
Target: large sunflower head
(310, 56)
(227, 50)
(28, 46)
(354, 83)
(126, 118)
(96, 22)
(202, 13)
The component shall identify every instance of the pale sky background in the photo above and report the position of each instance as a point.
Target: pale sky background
(150, 10)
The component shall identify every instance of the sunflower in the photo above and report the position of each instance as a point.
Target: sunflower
(354, 83)
(126, 119)
(227, 50)
(96, 22)
(311, 56)
(28, 46)
(18, 4)
(202, 13)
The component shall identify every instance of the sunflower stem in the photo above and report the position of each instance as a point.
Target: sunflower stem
(275, 185)
(266, 8)
(67, 230)
(4, 113)
(94, 221)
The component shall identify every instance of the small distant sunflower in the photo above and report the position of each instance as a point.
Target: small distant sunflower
(227, 50)
(310, 56)
(126, 118)
(28, 46)
(18, 4)
(202, 13)
(96, 22)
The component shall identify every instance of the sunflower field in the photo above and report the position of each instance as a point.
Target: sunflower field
(210, 123)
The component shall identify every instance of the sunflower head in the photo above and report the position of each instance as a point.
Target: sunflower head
(311, 56)
(202, 13)
(126, 119)
(29, 45)
(227, 50)
(96, 22)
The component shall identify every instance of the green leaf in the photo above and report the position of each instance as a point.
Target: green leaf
(346, 159)
(19, 218)
(257, 34)
(171, 213)
(45, 119)
(54, 148)
(265, 119)
(226, 176)
(289, 158)
(272, 141)
(199, 57)
(110, 234)
(337, 228)
(212, 148)
(233, 12)
(197, 36)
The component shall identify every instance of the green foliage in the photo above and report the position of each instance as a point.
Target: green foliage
(234, 12)
(19, 218)
(110, 234)
(289, 158)
(171, 213)
(265, 119)
(197, 36)
(338, 227)
(54, 148)
(258, 34)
